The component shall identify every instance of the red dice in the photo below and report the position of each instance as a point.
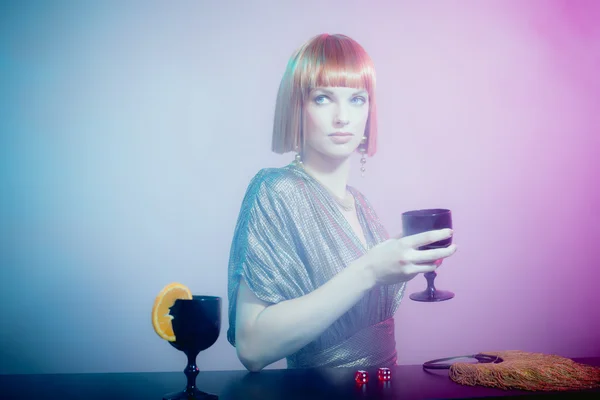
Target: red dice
(361, 377)
(384, 374)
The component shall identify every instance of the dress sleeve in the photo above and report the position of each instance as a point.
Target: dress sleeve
(263, 250)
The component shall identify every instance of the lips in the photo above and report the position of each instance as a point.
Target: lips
(341, 138)
(341, 134)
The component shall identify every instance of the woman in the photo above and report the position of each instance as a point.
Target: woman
(313, 276)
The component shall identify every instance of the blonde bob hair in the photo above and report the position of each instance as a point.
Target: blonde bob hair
(324, 60)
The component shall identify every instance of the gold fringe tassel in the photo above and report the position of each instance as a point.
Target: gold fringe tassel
(527, 371)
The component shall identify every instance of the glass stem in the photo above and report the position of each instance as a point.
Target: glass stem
(430, 276)
(191, 372)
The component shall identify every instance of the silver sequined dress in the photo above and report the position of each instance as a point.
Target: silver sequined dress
(291, 238)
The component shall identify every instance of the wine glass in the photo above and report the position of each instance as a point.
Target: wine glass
(197, 325)
(418, 221)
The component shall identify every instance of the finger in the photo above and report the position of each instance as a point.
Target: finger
(437, 263)
(432, 255)
(413, 269)
(424, 238)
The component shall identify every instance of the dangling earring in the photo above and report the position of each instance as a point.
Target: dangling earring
(363, 158)
(298, 160)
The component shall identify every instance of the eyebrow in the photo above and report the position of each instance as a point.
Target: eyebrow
(329, 92)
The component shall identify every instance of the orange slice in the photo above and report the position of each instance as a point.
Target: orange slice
(161, 320)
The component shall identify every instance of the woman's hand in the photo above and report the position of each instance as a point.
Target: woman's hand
(399, 260)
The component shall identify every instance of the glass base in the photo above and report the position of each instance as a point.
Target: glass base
(193, 394)
(430, 296)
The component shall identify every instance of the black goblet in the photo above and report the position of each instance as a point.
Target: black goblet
(418, 221)
(196, 324)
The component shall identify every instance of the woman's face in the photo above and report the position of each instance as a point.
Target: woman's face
(335, 121)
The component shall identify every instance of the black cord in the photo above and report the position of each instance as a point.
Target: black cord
(481, 358)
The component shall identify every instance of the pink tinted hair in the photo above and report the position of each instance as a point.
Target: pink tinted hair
(324, 60)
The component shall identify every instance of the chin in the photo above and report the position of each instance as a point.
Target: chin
(338, 154)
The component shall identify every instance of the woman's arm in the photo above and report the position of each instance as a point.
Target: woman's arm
(267, 333)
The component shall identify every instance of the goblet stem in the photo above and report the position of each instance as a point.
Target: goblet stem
(430, 276)
(191, 372)
(431, 294)
(191, 392)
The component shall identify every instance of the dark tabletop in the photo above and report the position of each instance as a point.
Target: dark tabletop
(408, 382)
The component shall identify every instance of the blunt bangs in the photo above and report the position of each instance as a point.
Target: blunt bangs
(335, 63)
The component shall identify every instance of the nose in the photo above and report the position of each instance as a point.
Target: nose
(341, 116)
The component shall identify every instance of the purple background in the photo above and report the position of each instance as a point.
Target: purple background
(129, 131)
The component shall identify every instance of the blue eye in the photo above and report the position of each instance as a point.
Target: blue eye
(359, 100)
(320, 99)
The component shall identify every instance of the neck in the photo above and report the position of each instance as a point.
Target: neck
(332, 173)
